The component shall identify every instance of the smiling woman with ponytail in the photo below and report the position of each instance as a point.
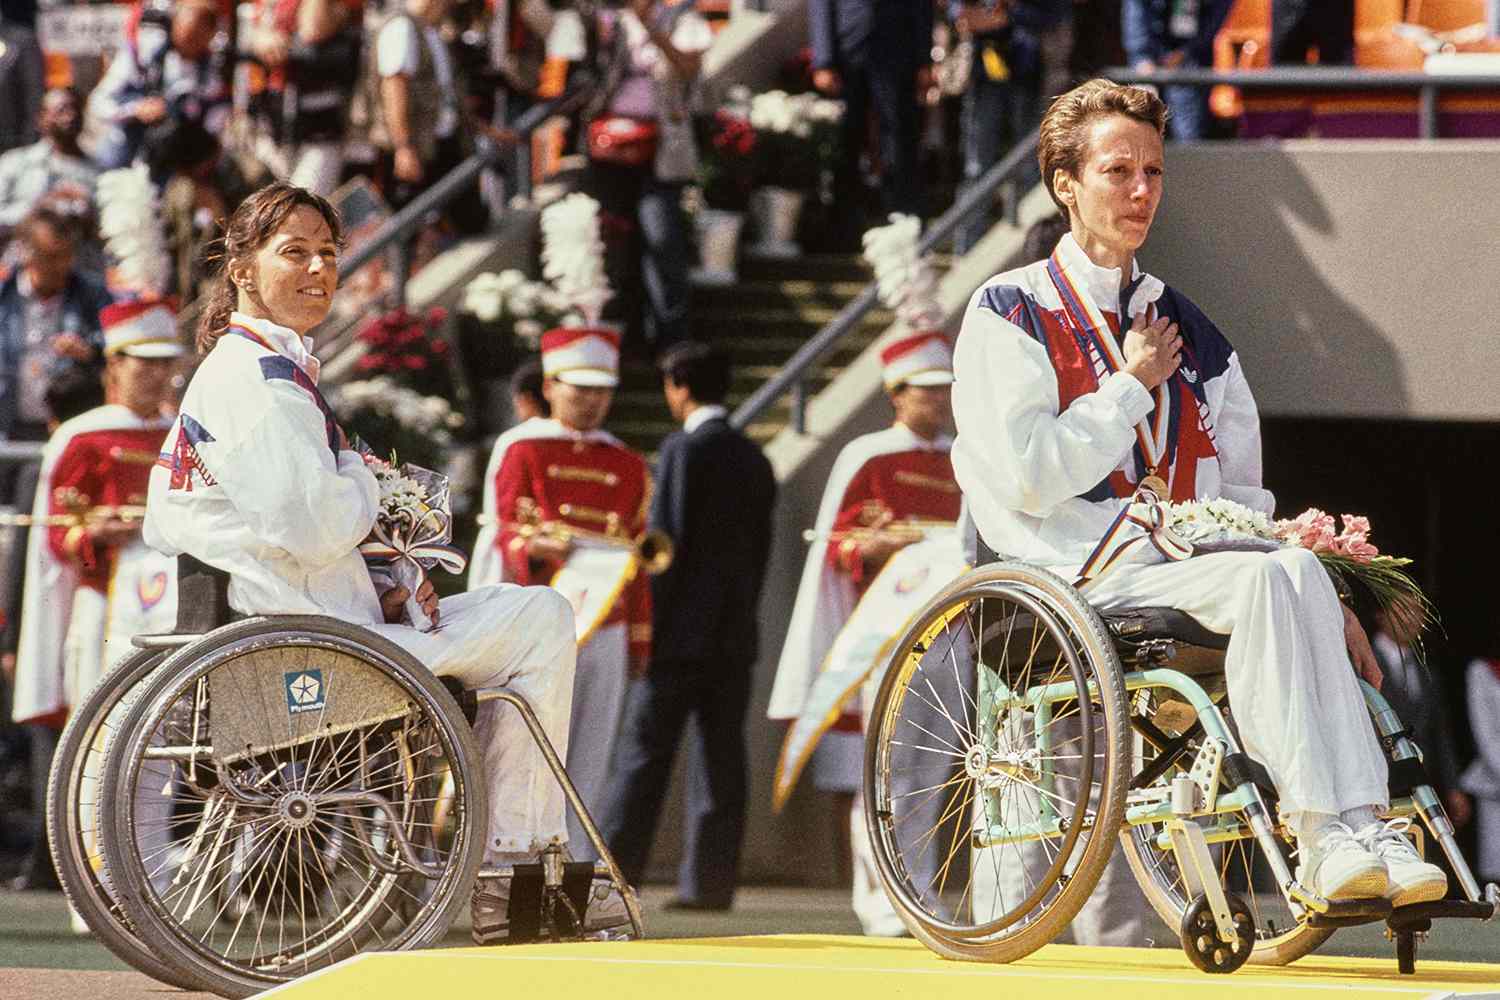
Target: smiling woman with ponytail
(280, 245)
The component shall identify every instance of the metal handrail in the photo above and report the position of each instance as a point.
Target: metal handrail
(1427, 85)
(396, 230)
(793, 375)
(406, 222)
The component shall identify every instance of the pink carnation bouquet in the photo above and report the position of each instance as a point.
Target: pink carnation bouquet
(1350, 557)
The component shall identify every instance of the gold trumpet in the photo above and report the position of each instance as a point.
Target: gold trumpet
(902, 532)
(76, 519)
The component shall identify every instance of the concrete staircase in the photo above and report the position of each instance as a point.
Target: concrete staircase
(777, 306)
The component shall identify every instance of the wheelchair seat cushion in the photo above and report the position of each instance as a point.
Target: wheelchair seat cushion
(1137, 625)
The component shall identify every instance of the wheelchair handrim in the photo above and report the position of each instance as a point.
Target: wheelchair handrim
(898, 673)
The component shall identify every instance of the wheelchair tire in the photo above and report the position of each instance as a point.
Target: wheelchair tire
(922, 728)
(1278, 938)
(79, 760)
(313, 809)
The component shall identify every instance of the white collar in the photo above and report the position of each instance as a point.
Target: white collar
(1102, 284)
(563, 430)
(942, 442)
(703, 415)
(281, 340)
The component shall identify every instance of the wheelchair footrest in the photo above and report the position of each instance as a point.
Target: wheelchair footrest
(529, 905)
(1419, 916)
(1351, 912)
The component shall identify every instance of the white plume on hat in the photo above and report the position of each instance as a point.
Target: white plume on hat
(904, 281)
(573, 255)
(129, 223)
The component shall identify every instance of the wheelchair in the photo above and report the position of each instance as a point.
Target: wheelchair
(240, 803)
(1016, 734)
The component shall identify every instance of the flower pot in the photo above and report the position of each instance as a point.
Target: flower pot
(718, 246)
(776, 212)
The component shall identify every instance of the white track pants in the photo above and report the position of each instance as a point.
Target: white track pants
(1292, 688)
(598, 707)
(522, 638)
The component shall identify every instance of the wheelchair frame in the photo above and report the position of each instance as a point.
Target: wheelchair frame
(1219, 798)
(115, 911)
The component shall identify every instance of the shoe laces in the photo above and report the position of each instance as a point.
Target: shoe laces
(1388, 838)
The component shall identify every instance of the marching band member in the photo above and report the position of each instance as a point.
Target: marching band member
(90, 582)
(879, 480)
(257, 479)
(1081, 379)
(565, 474)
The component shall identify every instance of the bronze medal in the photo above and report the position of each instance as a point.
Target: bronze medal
(1155, 484)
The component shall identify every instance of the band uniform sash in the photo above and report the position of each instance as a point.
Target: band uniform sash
(909, 579)
(592, 579)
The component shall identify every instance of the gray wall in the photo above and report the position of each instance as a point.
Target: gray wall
(1356, 279)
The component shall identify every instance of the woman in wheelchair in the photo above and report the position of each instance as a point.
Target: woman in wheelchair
(1082, 379)
(257, 479)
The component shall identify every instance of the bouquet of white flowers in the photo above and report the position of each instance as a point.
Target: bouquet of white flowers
(510, 299)
(413, 424)
(796, 136)
(413, 530)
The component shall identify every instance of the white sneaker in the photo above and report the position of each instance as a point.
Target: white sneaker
(1341, 866)
(1411, 880)
(606, 909)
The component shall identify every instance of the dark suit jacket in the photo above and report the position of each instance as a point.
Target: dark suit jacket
(714, 496)
(866, 32)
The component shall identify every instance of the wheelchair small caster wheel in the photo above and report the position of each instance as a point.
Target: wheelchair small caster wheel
(1200, 935)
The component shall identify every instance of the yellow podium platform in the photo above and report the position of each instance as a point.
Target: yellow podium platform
(826, 967)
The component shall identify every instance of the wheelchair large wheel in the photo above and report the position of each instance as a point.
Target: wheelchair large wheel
(1279, 938)
(74, 827)
(272, 803)
(995, 763)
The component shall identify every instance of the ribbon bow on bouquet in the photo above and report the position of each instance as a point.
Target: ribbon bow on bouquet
(413, 530)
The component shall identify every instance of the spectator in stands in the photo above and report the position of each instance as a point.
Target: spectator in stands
(1096, 38)
(1170, 34)
(1416, 692)
(49, 325)
(650, 53)
(419, 100)
(1482, 777)
(1041, 239)
(52, 166)
(526, 399)
(312, 48)
(874, 54)
(1004, 100)
(163, 79)
(49, 322)
(715, 497)
(1300, 26)
(22, 73)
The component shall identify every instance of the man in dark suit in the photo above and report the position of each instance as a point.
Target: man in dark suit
(871, 53)
(714, 496)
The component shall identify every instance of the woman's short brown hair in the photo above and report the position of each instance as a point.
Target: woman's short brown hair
(1065, 127)
(254, 222)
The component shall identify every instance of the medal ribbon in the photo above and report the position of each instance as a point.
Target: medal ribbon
(1087, 317)
(1146, 512)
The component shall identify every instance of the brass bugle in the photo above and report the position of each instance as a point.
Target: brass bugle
(653, 549)
(94, 515)
(904, 531)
